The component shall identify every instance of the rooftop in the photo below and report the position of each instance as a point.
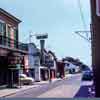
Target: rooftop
(9, 15)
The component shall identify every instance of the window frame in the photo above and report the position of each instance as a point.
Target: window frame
(2, 30)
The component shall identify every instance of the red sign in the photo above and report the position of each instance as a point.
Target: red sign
(98, 7)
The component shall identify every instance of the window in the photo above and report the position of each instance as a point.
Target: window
(12, 36)
(9, 30)
(36, 62)
(2, 28)
(2, 32)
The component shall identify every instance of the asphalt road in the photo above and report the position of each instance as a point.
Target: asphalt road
(42, 89)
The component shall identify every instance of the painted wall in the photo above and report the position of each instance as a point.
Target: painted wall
(34, 61)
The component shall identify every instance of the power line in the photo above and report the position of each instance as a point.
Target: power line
(88, 39)
(84, 24)
(81, 14)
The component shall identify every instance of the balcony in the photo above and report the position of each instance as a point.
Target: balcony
(12, 44)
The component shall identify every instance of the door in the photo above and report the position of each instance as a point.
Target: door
(3, 70)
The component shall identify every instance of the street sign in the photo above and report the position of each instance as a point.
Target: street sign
(42, 36)
(98, 7)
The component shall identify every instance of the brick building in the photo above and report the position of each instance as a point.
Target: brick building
(11, 50)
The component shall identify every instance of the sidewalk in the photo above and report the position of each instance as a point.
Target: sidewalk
(6, 91)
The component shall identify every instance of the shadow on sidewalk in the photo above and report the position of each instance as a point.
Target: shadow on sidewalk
(83, 92)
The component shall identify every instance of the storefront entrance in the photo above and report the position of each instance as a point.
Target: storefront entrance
(3, 70)
(44, 74)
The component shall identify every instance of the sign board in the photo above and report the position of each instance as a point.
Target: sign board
(42, 36)
(98, 7)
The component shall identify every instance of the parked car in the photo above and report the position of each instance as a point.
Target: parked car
(25, 80)
(72, 71)
(87, 75)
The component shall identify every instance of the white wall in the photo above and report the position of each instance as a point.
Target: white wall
(33, 59)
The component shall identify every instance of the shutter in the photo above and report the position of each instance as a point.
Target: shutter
(4, 29)
(4, 33)
(9, 36)
(12, 37)
(15, 42)
(0, 28)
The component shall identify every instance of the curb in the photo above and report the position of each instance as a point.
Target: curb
(16, 92)
(8, 95)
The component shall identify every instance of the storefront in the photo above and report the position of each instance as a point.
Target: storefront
(52, 73)
(44, 74)
(8, 66)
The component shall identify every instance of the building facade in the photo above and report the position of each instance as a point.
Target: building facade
(34, 61)
(60, 69)
(11, 50)
(53, 64)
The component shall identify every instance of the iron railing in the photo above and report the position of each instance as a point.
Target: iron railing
(8, 42)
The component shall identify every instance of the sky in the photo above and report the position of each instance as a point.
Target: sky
(59, 18)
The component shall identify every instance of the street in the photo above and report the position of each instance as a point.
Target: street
(66, 88)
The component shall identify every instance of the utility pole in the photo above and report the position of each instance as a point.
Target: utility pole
(95, 26)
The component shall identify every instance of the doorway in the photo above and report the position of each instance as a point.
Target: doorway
(3, 70)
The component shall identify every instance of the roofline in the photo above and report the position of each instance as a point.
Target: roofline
(32, 44)
(9, 15)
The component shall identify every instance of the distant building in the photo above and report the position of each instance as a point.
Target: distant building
(34, 61)
(60, 69)
(71, 67)
(35, 68)
(53, 63)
